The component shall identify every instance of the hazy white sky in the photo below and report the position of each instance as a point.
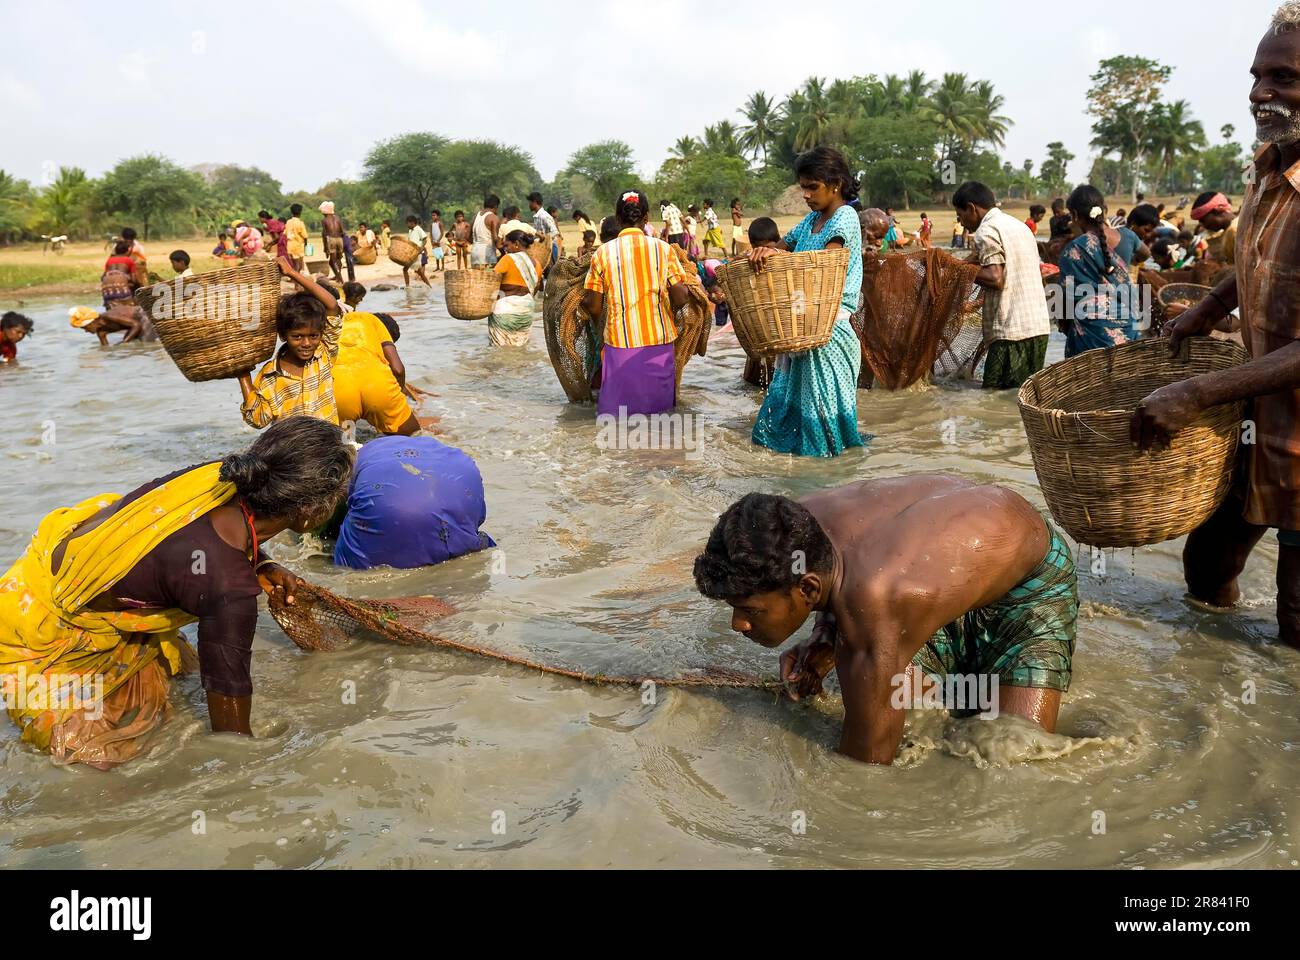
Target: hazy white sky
(302, 90)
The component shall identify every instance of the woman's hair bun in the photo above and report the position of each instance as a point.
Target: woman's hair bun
(247, 472)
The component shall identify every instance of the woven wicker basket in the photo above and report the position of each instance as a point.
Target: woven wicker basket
(363, 256)
(470, 293)
(402, 251)
(790, 306)
(1190, 293)
(540, 252)
(216, 325)
(1098, 486)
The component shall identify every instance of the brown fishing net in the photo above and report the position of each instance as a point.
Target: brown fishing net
(321, 620)
(919, 316)
(574, 340)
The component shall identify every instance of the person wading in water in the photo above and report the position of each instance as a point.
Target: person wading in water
(926, 573)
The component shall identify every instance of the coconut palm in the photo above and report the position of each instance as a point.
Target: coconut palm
(722, 138)
(991, 127)
(916, 90)
(758, 134)
(64, 204)
(15, 196)
(1172, 134)
(685, 148)
(951, 110)
(808, 114)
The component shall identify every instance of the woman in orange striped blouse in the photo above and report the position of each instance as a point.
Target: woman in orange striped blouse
(637, 280)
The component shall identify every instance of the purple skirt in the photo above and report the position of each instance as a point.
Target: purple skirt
(642, 379)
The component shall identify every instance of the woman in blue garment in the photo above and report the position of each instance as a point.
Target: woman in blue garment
(1094, 274)
(811, 408)
(412, 502)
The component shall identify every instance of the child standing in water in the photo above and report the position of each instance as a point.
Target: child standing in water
(298, 379)
(416, 234)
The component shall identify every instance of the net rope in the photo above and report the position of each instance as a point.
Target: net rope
(321, 620)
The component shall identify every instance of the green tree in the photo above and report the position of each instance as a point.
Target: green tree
(713, 175)
(896, 157)
(1122, 100)
(149, 188)
(65, 206)
(1054, 170)
(15, 206)
(471, 169)
(606, 165)
(407, 171)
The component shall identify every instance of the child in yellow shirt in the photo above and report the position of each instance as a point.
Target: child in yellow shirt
(298, 380)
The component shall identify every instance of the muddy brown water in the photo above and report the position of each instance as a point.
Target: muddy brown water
(446, 760)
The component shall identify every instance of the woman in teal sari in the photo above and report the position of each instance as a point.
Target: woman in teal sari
(811, 408)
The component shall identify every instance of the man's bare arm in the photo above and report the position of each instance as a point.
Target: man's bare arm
(867, 667)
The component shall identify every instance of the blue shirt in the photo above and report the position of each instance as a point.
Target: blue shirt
(843, 225)
(413, 502)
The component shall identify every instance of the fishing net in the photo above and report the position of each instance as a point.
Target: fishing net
(321, 620)
(574, 339)
(920, 316)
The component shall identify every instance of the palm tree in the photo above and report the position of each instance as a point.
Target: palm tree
(950, 109)
(991, 126)
(685, 148)
(893, 92)
(1173, 133)
(808, 114)
(63, 204)
(14, 197)
(916, 90)
(723, 138)
(760, 131)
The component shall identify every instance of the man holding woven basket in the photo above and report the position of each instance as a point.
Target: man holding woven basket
(1265, 287)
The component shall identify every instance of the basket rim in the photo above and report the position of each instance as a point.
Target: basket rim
(1024, 395)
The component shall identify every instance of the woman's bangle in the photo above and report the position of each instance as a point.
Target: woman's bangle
(260, 565)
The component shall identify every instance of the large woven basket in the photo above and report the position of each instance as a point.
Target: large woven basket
(540, 252)
(364, 256)
(216, 325)
(402, 251)
(470, 293)
(1098, 485)
(790, 306)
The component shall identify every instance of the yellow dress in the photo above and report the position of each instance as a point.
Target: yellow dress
(47, 634)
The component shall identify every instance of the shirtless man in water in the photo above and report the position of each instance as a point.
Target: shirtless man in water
(927, 572)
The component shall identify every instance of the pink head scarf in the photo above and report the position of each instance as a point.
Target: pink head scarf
(1216, 202)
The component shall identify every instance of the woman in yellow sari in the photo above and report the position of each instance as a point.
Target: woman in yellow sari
(96, 602)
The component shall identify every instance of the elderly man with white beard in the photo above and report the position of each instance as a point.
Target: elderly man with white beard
(1266, 288)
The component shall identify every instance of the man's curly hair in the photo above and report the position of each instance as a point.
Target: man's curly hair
(754, 547)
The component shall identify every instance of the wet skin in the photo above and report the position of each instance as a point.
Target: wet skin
(912, 554)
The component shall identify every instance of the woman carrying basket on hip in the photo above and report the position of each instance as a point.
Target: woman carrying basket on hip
(811, 408)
